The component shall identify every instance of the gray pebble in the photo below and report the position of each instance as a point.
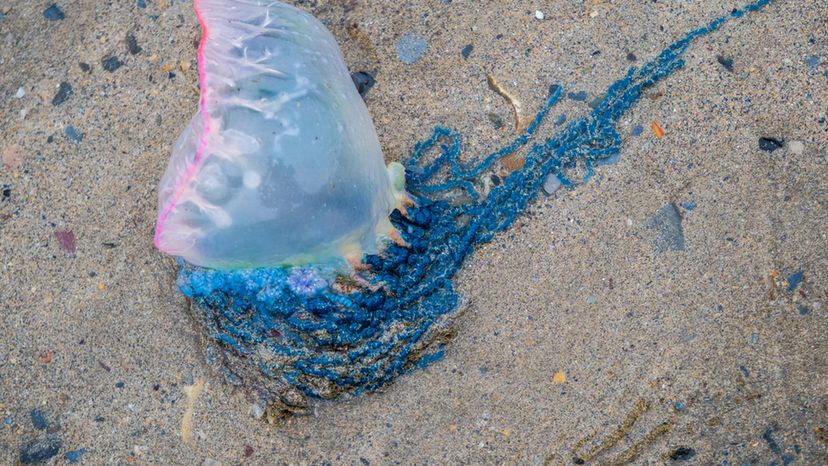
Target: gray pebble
(411, 47)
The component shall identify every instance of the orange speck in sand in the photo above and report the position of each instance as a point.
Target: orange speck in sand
(658, 130)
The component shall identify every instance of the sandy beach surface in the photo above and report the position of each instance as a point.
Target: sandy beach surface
(673, 310)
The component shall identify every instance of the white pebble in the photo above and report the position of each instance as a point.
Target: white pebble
(551, 184)
(538, 14)
(796, 147)
(20, 93)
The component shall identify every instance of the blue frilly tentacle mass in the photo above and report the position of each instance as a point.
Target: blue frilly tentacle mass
(325, 334)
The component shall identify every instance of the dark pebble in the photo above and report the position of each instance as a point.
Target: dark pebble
(132, 44)
(111, 63)
(40, 450)
(682, 454)
(53, 13)
(577, 460)
(794, 280)
(771, 144)
(85, 67)
(363, 81)
(74, 134)
(772, 445)
(171, 75)
(6, 192)
(689, 205)
(63, 93)
(248, 451)
(495, 119)
(578, 96)
(631, 57)
(803, 310)
(727, 63)
(745, 371)
(495, 180)
(141, 3)
(667, 224)
(39, 419)
(119, 385)
(467, 50)
(74, 456)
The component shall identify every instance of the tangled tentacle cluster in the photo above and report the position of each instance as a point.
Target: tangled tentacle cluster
(326, 334)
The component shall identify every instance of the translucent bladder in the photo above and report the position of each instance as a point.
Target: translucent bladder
(281, 164)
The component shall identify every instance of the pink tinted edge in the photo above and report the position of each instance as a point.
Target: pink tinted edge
(192, 168)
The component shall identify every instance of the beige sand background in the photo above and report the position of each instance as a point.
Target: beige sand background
(662, 352)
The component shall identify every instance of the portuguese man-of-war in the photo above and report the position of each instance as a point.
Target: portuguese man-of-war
(313, 268)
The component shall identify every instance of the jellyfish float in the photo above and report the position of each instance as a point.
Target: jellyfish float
(313, 268)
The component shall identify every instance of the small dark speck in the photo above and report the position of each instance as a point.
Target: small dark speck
(99, 419)
(794, 280)
(53, 13)
(727, 63)
(132, 44)
(74, 134)
(631, 57)
(495, 119)
(171, 75)
(803, 310)
(578, 96)
(745, 371)
(156, 387)
(63, 93)
(467, 50)
(577, 460)
(769, 144)
(495, 180)
(363, 81)
(141, 3)
(682, 454)
(120, 385)
(39, 419)
(6, 192)
(85, 67)
(637, 130)
(111, 63)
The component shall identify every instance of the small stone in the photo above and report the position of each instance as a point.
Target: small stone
(666, 222)
(682, 454)
(74, 134)
(132, 44)
(111, 63)
(257, 410)
(141, 3)
(631, 57)
(5, 192)
(689, 205)
(248, 451)
(551, 184)
(679, 406)
(85, 67)
(363, 81)
(495, 119)
(53, 13)
(812, 61)
(20, 93)
(727, 63)
(637, 130)
(63, 93)
(769, 144)
(794, 280)
(39, 419)
(74, 456)
(66, 241)
(40, 450)
(591, 299)
(796, 147)
(578, 96)
(411, 47)
(467, 50)
(120, 385)
(538, 14)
